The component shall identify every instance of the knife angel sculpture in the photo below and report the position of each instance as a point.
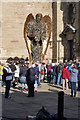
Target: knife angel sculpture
(37, 33)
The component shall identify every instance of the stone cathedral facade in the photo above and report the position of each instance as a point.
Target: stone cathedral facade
(65, 29)
(67, 35)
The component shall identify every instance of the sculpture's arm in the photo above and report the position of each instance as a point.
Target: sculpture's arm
(29, 29)
(44, 29)
(30, 33)
(43, 33)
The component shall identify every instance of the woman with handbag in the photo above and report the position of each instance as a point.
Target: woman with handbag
(7, 75)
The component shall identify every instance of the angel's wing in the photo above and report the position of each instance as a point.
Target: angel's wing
(29, 18)
(46, 19)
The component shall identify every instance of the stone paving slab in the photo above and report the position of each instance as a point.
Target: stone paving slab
(19, 106)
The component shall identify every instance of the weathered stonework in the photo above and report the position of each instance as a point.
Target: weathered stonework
(75, 36)
(0, 28)
(54, 32)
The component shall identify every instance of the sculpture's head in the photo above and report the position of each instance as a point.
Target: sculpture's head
(38, 17)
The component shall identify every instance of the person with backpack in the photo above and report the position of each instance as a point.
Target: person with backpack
(23, 71)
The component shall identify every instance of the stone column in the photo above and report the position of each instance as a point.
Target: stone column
(60, 48)
(54, 32)
(79, 29)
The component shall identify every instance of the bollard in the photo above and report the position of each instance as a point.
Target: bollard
(60, 105)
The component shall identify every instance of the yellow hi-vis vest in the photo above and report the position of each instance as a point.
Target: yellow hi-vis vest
(1, 72)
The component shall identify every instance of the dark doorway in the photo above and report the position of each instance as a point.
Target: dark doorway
(71, 49)
(70, 13)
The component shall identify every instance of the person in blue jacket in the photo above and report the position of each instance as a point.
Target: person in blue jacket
(74, 80)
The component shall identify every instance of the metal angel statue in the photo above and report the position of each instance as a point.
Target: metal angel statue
(37, 34)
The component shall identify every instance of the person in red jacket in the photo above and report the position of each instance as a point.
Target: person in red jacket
(65, 76)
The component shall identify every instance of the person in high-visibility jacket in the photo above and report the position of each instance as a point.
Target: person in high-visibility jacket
(1, 73)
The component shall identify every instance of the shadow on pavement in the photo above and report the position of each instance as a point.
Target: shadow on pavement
(19, 106)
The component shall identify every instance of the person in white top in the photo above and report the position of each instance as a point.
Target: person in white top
(39, 80)
(17, 72)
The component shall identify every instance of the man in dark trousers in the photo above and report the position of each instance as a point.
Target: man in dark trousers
(30, 78)
(7, 76)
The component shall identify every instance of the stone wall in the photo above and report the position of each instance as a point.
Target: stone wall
(0, 28)
(60, 47)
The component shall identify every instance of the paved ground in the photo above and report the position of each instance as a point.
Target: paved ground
(19, 106)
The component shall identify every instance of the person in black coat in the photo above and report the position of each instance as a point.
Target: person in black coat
(30, 78)
(54, 73)
(79, 78)
(13, 68)
(7, 76)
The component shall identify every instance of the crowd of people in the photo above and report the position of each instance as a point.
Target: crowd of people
(31, 75)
